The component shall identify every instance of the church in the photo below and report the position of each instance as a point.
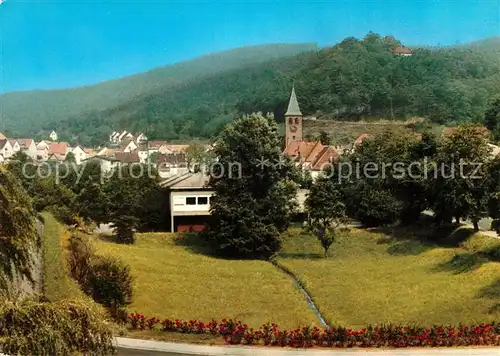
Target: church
(312, 156)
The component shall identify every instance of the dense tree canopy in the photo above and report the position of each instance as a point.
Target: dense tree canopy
(357, 78)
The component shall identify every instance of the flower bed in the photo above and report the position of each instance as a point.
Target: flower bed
(234, 332)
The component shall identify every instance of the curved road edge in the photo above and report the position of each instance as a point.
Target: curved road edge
(191, 349)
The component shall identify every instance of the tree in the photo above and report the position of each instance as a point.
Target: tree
(251, 168)
(123, 204)
(458, 188)
(17, 229)
(492, 118)
(70, 158)
(197, 156)
(384, 191)
(326, 211)
(324, 138)
(92, 204)
(21, 165)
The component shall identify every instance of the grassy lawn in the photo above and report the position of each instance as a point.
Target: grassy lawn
(57, 284)
(372, 279)
(174, 281)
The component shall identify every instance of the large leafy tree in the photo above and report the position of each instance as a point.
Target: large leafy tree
(254, 192)
(458, 186)
(381, 188)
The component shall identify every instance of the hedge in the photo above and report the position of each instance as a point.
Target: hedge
(235, 332)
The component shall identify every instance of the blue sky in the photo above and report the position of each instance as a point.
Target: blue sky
(59, 44)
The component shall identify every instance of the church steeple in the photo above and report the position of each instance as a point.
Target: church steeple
(293, 105)
(293, 120)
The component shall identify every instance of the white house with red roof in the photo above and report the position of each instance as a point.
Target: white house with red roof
(6, 150)
(28, 146)
(79, 154)
(15, 145)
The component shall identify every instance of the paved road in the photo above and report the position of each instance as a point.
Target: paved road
(132, 352)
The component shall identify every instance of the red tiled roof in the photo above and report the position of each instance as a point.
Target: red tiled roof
(327, 156)
(25, 142)
(59, 148)
(300, 150)
(177, 148)
(312, 154)
(402, 50)
(156, 144)
(3, 142)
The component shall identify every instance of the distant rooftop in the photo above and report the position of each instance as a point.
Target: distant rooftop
(402, 50)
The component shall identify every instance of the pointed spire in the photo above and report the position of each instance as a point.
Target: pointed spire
(293, 105)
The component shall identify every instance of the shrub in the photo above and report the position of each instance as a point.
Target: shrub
(109, 282)
(62, 328)
(64, 214)
(80, 257)
(106, 279)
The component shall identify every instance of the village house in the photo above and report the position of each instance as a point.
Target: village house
(53, 136)
(79, 154)
(140, 138)
(189, 199)
(6, 150)
(170, 164)
(15, 145)
(128, 145)
(28, 146)
(90, 152)
(58, 150)
(173, 149)
(127, 157)
(42, 150)
(402, 51)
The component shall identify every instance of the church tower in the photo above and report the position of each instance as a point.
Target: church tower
(293, 120)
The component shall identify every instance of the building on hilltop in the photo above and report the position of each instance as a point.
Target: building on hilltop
(309, 155)
(402, 51)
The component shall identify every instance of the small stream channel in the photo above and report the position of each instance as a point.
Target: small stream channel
(306, 295)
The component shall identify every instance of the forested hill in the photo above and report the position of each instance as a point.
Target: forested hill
(353, 80)
(27, 112)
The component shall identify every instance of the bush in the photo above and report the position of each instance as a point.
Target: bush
(109, 282)
(106, 279)
(62, 328)
(80, 257)
(64, 215)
